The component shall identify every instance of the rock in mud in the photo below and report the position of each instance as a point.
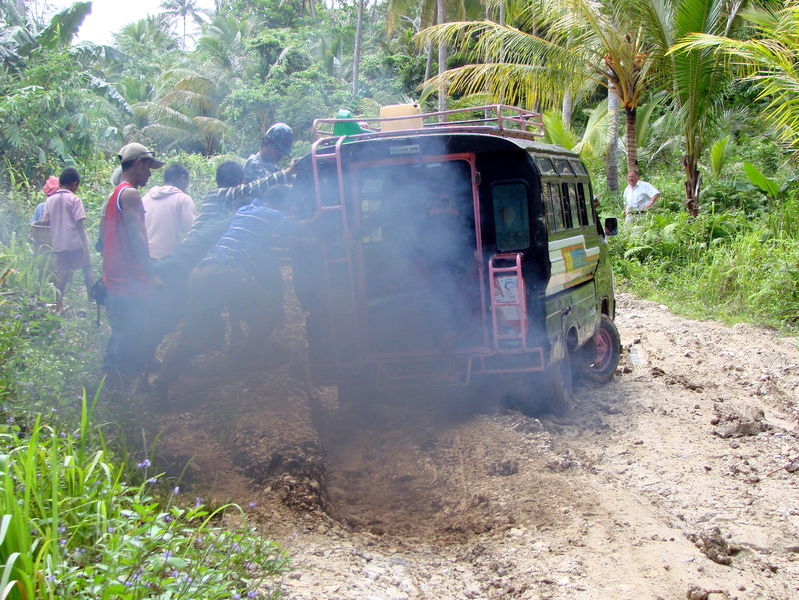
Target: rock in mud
(713, 545)
(273, 450)
(750, 421)
(697, 593)
(504, 468)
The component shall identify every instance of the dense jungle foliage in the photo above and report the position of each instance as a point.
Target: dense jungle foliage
(701, 95)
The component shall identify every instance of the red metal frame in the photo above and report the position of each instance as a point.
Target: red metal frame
(499, 120)
(341, 210)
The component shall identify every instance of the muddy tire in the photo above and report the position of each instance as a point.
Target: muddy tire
(547, 392)
(599, 358)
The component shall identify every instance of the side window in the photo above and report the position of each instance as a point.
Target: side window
(582, 205)
(568, 200)
(511, 218)
(563, 167)
(578, 167)
(553, 206)
(545, 165)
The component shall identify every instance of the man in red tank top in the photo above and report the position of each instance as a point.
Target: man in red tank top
(127, 267)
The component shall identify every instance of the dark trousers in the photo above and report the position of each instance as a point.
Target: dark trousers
(128, 347)
(212, 289)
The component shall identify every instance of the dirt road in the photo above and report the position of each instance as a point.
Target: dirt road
(679, 478)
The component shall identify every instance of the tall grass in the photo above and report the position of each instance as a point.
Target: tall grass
(71, 527)
(730, 265)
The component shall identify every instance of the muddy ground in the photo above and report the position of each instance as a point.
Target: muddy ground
(677, 480)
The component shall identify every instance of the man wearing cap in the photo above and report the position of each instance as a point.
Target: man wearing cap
(276, 144)
(127, 267)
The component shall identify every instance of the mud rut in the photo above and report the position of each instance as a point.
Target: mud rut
(679, 479)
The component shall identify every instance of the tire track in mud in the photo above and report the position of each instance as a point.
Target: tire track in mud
(448, 496)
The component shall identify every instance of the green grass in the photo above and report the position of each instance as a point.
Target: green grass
(71, 527)
(77, 520)
(731, 266)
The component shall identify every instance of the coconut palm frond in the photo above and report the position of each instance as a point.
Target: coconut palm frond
(158, 113)
(188, 100)
(210, 126)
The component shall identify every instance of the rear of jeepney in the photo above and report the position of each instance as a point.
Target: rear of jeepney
(422, 273)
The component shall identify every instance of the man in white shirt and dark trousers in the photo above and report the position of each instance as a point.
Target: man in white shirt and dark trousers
(639, 196)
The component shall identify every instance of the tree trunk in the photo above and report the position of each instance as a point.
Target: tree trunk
(631, 141)
(312, 8)
(21, 8)
(442, 61)
(428, 67)
(612, 157)
(356, 58)
(692, 183)
(566, 108)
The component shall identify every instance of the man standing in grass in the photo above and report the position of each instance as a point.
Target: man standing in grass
(127, 266)
(64, 212)
(639, 196)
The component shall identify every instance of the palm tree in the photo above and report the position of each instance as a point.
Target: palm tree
(696, 80)
(768, 59)
(578, 40)
(147, 38)
(182, 9)
(185, 114)
(621, 45)
(432, 12)
(223, 43)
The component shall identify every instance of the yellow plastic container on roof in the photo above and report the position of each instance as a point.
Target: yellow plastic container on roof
(401, 110)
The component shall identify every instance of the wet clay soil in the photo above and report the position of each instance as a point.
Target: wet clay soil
(680, 479)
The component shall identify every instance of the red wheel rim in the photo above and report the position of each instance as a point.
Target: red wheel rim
(603, 350)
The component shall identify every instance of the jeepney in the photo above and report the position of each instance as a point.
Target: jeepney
(453, 247)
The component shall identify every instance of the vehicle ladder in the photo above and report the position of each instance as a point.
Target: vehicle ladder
(508, 292)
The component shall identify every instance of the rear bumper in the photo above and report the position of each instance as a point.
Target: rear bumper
(454, 370)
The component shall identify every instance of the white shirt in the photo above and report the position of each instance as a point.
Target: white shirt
(635, 198)
(168, 212)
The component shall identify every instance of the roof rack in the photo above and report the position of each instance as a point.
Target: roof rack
(497, 119)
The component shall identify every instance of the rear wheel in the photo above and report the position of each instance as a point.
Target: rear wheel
(600, 356)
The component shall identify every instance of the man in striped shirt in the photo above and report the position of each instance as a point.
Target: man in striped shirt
(216, 211)
(241, 274)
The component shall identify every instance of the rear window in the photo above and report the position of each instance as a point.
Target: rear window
(582, 204)
(511, 217)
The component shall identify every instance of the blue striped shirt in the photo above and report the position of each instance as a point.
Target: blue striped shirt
(248, 238)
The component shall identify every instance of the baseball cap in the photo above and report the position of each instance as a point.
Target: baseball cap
(135, 151)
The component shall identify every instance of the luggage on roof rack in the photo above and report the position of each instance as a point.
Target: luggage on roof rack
(497, 119)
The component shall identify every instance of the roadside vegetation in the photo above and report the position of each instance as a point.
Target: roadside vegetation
(705, 107)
